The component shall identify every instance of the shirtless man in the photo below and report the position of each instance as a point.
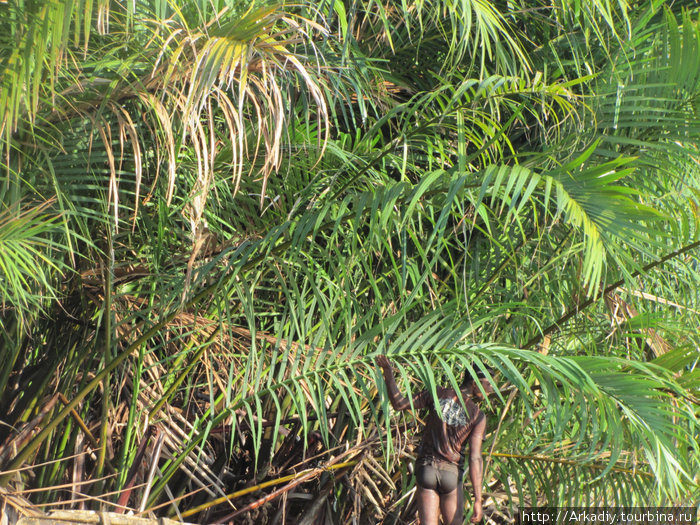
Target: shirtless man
(438, 470)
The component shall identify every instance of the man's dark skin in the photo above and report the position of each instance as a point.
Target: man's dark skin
(431, 504)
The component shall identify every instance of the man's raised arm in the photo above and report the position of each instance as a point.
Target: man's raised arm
(398, 401)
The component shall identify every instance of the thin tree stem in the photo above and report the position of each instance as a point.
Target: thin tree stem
(556, 325)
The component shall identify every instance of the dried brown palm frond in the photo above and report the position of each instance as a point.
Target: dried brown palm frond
(235, 67)
(80, 517)
(14, 506)
(622, 312)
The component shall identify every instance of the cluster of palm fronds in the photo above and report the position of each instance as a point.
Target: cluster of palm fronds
(215, 214)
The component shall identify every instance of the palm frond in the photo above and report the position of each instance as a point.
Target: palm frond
(28, 257)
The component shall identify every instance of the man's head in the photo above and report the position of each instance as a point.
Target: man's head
(469, 383)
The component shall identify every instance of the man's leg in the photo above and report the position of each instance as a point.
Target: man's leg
(428, 506)
(452, 506)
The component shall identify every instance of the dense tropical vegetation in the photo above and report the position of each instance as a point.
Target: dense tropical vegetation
(215, 214)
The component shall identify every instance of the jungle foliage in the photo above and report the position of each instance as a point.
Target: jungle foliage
(216, 214)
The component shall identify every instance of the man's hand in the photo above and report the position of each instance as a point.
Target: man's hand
(383, 361)
(478, 512)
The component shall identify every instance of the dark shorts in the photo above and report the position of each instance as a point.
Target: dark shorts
(440, 476)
